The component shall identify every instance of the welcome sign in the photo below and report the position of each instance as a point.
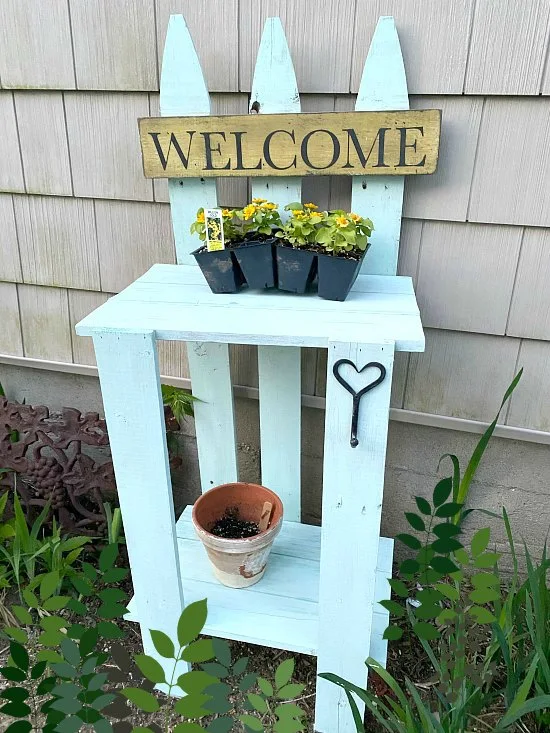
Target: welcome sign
(405, 142)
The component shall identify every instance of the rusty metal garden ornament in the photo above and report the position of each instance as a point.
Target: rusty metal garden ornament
(354, 441)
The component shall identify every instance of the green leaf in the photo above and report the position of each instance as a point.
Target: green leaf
(481, 615)
(108, 556)
(191, 622)
(49, 584)
(251, 722)
(289, 692)
(69, 725)
(15, 694)
(46, 685)
(150, 668)
(220, 725)
(393, 633)
(52, 623)
(30, 599)
(448, 510)
(222, 651)
(114, 575)
(425, 631)
(409, 540)
(22, 615)
(195, 681)
(163, 644)
(283, 673)
(265, 686)
(485, 580)
(398, 587)
(38, 670)
(67, 705)
(480, 541)
(191, 706)
(82, 586)
(415, 521)
(17, 634)
(484, 595)
(199, 651)
(88, 642)
(19, 655)
(487, 560)
(109, 630)
(216, 670)
(186, 727)
(64, 670)
(19, 726)
(409, 567)
(396, 609)
(240, 666)
(142, 699)
(442, 491)
(446, 545)
(48, 655)
(16, 709)
(257, 702)
(443, 565)
(103, 726)
(66, 689)
(56, 603)
(248, 681)
(423, 505)
(447, 529)
(449, 591)
(77, 606)
(71, 652)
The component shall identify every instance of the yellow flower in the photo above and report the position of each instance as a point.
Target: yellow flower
(200, 216)
(342, 221)
(268, 205)
(311, 206)
(258, 201)
(355, 217)
(299, 214)
(249, 211)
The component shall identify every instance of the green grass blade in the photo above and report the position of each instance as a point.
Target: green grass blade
(542, 702)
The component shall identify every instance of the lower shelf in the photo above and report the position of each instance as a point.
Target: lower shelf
(280, 611)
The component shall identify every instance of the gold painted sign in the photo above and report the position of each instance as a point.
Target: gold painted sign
(385, 143)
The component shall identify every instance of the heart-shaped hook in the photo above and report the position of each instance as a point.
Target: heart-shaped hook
(354, 442)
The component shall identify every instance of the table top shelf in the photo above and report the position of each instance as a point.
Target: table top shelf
(175, 303)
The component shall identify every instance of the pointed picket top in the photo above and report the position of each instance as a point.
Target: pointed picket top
(274, 87)
(183, 92)
(383, 84)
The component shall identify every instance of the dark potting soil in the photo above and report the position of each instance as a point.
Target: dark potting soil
(232, 528)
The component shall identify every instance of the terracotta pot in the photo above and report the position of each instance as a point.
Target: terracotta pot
(241, 562)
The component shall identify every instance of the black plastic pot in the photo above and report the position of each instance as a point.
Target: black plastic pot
(257, 263)
(221, 270)
(296, 268)
(337, 275)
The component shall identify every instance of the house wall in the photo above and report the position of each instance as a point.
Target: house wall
(80, 222)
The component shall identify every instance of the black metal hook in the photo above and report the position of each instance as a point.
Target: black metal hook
(354, 442)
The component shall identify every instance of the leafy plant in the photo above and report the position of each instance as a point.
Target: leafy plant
(259, 217)
(113, 519)
(343, 232)
(301, 227)
(179, 401)
(230, 229)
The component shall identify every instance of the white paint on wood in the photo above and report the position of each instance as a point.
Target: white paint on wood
(214, 27)
(10, 333)
(11, 172)
(445, 194)
(57, 241)
(529, 403)
(183, 92)
(461, 374)
(81, 303)
(434, 37)
(10, 264)
(530, 309)
(383, 86)
(45, 322)
(128, 373)
(35, 44)
(43, 139)
(466, 275)
(176, 303)
(514, 136)
(104, 145)
(508, 47)
(131, 237)
(114, 44)
(322, 61)
(280, 424)
(214, 415)
(282, 610)
(353, 481)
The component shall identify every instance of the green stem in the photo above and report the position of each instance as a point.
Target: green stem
(170, 685)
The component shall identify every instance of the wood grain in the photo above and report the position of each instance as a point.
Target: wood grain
(131, 238)
(530, 309)
(35, 44)
(81, 303)
(433, 35)
(114, 44)
(461, 374)
(10, 334)
(173, 358)
(466, 275)
(45, 322)
(529, 403)
(43, 138)
(244, 365)
(10, 263)
(317, 188)
(445, 195)
(275, 145)
(514, 136)
(104, 145)
(214, 27)
(11, 172)
(57, 241)
(507, 47)
(324, 49)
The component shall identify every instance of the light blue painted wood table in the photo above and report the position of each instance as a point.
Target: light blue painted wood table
(320, 590)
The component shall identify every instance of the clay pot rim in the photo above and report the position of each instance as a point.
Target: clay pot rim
(232, 540)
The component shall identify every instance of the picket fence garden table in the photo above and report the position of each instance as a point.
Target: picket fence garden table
(319, 595)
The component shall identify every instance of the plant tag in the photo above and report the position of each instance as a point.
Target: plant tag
(265, 518)
(214, 230)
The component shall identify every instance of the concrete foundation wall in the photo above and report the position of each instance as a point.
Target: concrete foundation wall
(513, 474)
